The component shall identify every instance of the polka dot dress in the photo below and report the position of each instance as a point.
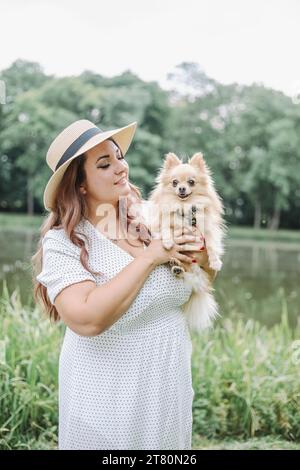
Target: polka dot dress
(131, 386)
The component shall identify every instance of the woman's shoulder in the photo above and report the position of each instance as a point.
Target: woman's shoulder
(59, 233)
(55, 233)
(57, 237)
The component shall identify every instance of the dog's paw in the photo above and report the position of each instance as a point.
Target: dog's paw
(173, 262)
(215, 264)
(167, 243)
(177, 270)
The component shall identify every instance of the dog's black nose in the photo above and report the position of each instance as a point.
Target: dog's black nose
(182, 190)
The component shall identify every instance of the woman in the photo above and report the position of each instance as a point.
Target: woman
(125, 363)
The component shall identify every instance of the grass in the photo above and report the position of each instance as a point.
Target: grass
(19, 221)
(245, 378)
(250, 233)
(29, 347)
(263, 443)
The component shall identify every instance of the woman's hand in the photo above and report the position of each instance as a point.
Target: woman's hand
(160, 255)
(198, 253)
(198, 245)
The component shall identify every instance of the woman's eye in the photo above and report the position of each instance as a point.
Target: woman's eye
(106, 166)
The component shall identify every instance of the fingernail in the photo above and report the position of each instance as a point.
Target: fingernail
(194, 261)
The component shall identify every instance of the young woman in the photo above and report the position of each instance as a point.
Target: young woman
(125, 364)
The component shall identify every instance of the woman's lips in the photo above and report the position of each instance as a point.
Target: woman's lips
(122, 181)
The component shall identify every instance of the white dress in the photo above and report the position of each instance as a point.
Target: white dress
(131, 386)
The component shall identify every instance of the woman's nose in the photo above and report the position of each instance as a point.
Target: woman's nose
(121, 166)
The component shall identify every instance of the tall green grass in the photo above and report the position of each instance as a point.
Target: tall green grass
(28, 375)
(245, 376)
(246, 379)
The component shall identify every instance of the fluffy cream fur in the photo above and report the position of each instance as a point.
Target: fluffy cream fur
(184, 191)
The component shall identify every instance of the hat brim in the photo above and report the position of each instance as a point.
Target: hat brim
(123, 137)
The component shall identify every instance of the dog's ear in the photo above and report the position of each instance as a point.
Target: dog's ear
(171, 160)
(198, 160)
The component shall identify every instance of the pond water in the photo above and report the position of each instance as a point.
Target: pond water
(259, 279)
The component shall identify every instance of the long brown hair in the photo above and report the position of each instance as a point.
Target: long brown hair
(66, 214)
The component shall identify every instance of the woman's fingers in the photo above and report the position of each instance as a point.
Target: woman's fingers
(186, 238)
(184, 231)
(191, 247)
(190, 254)
(184, 258)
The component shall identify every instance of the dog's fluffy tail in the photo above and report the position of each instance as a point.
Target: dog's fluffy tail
(201, 309)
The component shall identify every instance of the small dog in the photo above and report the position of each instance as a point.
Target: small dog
(184, 193)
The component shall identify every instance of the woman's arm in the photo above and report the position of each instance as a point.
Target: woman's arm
(89, 310)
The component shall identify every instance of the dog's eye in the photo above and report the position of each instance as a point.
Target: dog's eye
(191, 182)
(175, 182)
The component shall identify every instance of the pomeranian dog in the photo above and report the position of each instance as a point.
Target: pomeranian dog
(186, 201)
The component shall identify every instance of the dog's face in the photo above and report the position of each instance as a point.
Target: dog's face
(184, 179)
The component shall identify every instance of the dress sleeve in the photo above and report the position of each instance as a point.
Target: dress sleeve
(61, 267)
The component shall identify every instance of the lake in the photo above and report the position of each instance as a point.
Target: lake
(259, 279)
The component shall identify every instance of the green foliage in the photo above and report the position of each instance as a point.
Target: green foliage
(248, 134)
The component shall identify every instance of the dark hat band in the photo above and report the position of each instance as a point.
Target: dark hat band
(77, 144)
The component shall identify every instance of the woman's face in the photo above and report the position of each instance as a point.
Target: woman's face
(104, 168)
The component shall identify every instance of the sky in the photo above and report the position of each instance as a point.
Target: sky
(243, 41)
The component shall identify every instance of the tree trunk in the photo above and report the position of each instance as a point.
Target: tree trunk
(257, 214)
(275, 220)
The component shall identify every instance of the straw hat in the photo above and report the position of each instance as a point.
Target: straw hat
(74, 140)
